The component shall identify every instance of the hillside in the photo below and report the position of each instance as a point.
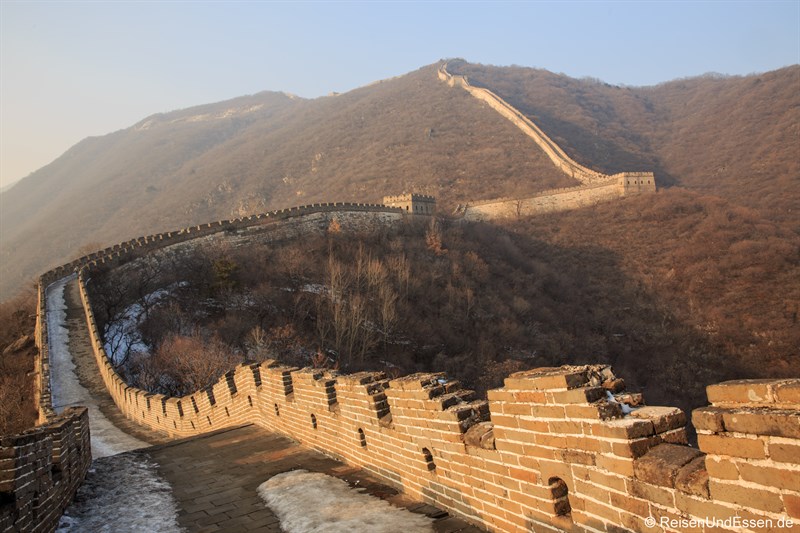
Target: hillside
(738, 137)
(264, 152)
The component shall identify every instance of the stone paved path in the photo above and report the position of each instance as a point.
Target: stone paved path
(214, 480)
(80, 347)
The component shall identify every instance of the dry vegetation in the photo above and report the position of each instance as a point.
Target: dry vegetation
(411, 133)
(480, 301)
(737, 137)
(693, 285)
(17, 351)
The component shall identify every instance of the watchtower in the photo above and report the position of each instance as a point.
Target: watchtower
(636, 182)
(418, 204)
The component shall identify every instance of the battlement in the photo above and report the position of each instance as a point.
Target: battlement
(41, 469)
(635, 182)
(418, 204)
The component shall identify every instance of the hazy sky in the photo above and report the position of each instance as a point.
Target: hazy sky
(69, 70)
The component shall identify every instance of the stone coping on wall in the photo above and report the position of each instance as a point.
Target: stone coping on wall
(41, 469)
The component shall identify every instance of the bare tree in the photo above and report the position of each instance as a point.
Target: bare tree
(388, 311)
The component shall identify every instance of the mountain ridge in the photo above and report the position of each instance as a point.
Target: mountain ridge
(410, 132)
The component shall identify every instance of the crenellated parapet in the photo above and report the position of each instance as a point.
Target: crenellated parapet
(41, 469)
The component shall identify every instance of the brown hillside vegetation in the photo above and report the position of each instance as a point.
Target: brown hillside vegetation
(479, 301)
(17, 351)
(738, 137)
(233, 158)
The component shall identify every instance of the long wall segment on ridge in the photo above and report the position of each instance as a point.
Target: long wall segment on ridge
(595, 186)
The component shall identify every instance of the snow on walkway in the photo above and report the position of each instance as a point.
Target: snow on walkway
(307, 502)
(122, 494)
(67, 391)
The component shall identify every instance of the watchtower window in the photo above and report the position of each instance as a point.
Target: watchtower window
(362, 438)
(314, 421)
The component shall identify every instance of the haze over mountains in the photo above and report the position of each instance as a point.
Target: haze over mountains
(734, 137)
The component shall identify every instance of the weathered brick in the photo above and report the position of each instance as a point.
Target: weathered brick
(539, 426)
(634, 448)
(709, 419)
(702, 507)
(625, 428)
(616, 465)
(574, 456)
(763, 421)
(720, 468)
(693, 478)
(631, 504)
(746, 496)
(663, 418)
(783, 452)
(791, 503)
(788, 392)
(548, 378)
(523, 475)
(566, 426)
(754, 391)
(651, 493)
(781, 478)
(530, 397)
(732, 446)
(660, 465)
(577, 395)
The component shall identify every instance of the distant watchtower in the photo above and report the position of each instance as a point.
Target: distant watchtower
(636, 182)
(418, 204)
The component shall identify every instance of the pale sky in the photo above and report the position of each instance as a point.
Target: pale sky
(69, 70)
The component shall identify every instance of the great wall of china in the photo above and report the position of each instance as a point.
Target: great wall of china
(595, 186)
(552, 450)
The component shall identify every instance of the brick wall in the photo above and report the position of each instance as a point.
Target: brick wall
(41, 469)
(595, 186)
(559, 158)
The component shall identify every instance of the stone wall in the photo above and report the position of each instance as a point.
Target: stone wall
(595, 186)
(40, 471)
(559, 158)
(615, 186)
(418, 204)
(547, 201)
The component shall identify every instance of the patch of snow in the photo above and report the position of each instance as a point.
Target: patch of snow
(67, 391)
(122, 494)
(626, 409)
(122, 336)
(316, 288)
(310, 502)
